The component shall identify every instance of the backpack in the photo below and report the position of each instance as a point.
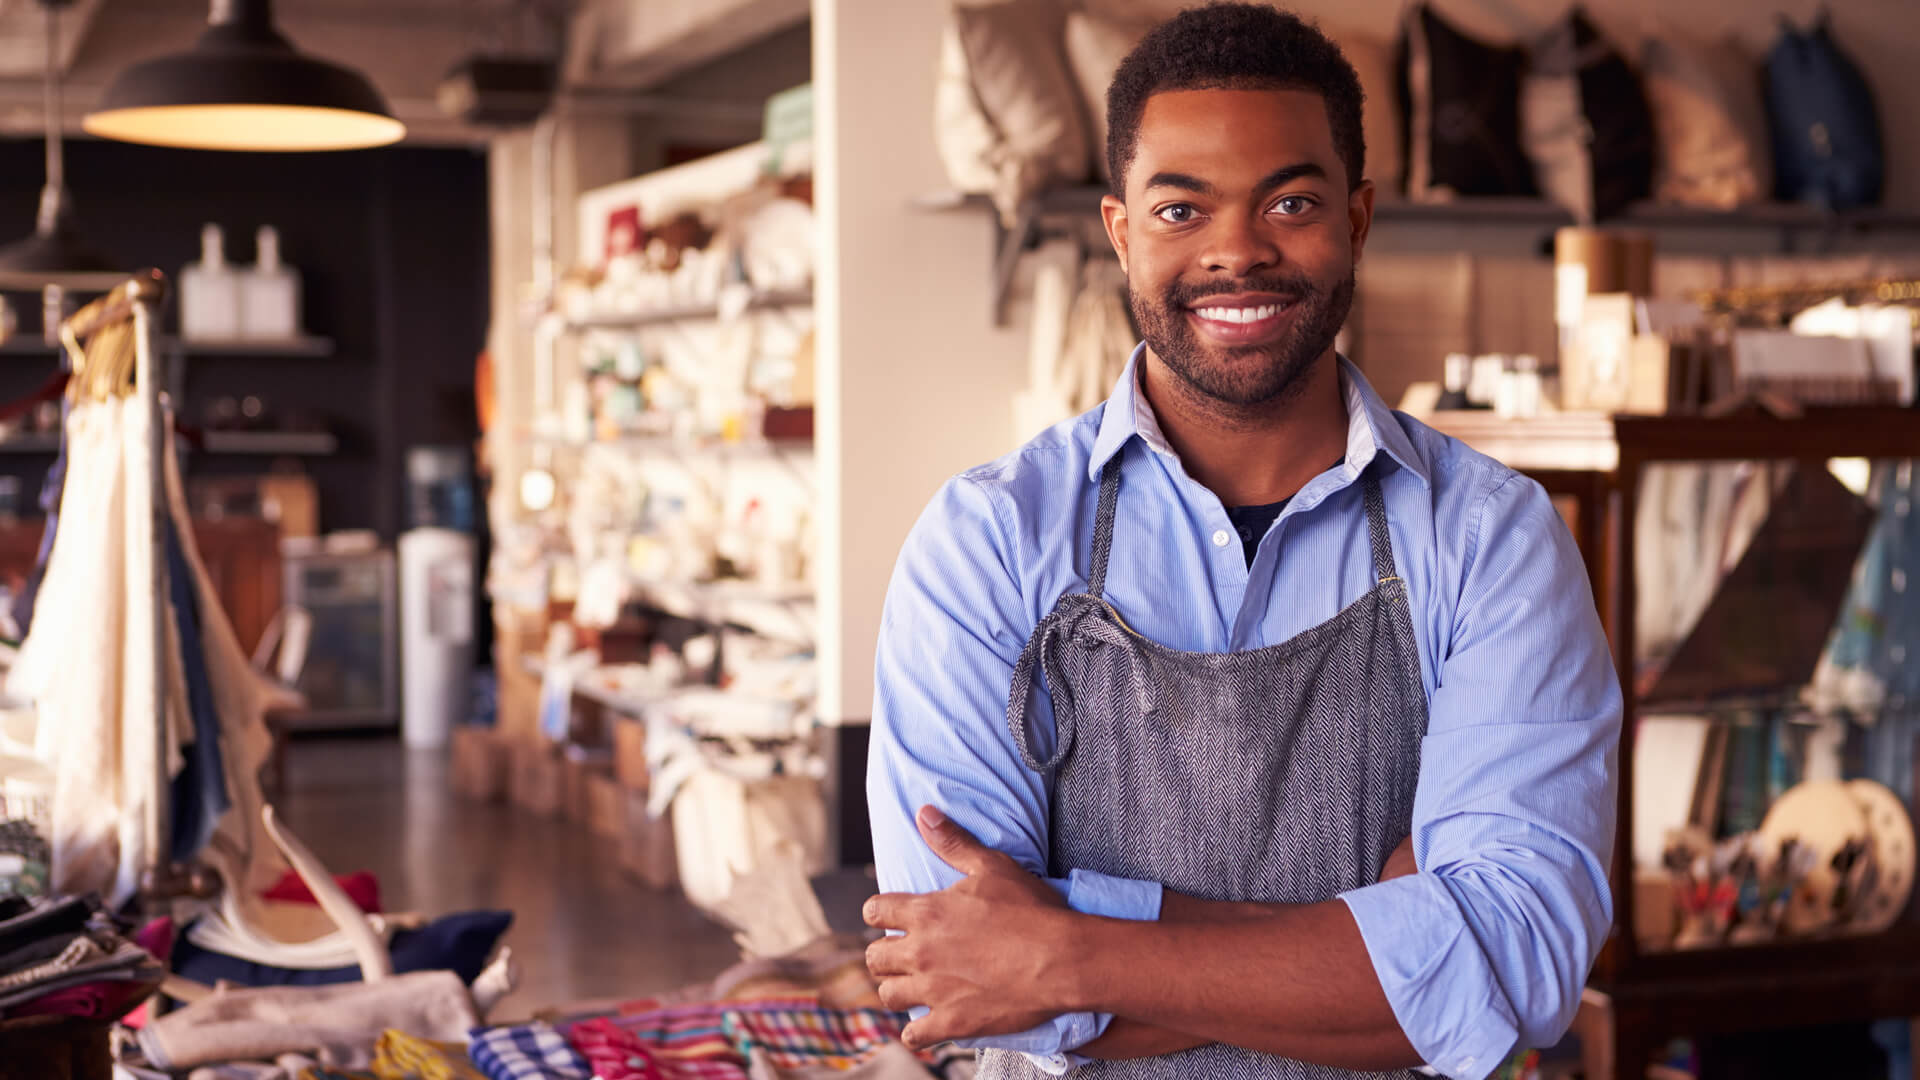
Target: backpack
(1826, 131)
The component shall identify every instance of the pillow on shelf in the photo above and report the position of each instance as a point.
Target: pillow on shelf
(1095, 47)
(1016, 64)
(1373, 60)
(1460, 100)
(1709, 122)
(962, 134)
(1096, 44)
(1584, 122)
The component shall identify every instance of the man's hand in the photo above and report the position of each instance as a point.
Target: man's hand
(974, 952)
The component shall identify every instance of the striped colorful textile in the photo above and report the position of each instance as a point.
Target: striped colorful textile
(811, 1037)
(529, 1052)
(616, 1053)
(692, 1032)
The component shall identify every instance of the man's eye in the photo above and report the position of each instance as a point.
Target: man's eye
(1177, 214)
(1294, 204)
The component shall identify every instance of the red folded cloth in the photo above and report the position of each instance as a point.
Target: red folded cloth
(88, 1001)
(361, 887)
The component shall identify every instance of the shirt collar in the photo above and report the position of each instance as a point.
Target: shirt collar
(1372, 428)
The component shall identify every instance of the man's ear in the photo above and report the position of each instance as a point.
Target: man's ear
(1113, 214)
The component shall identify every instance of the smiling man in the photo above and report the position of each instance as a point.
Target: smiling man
(1241, 727)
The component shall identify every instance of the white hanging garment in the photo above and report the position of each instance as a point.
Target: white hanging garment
(1043, 403)
(1099, 337)
(87, 662)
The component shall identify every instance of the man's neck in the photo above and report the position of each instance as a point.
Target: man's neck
(1255, 456)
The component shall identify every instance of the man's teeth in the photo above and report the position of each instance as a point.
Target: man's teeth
(1239, 314)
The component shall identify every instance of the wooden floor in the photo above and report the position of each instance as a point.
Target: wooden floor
(582, 928)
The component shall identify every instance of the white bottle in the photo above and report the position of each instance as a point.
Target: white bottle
(269, 293)
(210, 293)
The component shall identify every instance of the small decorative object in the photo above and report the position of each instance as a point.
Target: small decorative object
(269, 293)
(1826, 819)
(1884, 893)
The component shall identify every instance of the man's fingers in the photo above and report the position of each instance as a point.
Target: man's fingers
(889, 956)
(927, 1032)
(903, 992)
(891, 911)
(955, 845)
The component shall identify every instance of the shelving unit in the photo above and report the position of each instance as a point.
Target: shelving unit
(37, 442)
(283, 443)
(1636, 1000)
(767, 301)
(308, 347)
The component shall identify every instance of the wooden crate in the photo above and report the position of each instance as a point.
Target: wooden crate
(606, 807)
(481, 763)
(538, 778)
(630, 753)
(646, 844)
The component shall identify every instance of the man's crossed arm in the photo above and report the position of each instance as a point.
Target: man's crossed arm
(999, 952)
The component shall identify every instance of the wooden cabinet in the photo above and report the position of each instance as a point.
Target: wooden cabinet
(242, 557)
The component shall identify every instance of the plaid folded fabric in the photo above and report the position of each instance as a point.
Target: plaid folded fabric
(618, 1054)
(529, 1052)
(400, 1056)
(811, 1037)
(693, 1032)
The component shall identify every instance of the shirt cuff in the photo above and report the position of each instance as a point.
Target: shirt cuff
(1443, 992)
(1088, 893)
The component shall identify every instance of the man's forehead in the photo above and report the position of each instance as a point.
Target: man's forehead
(1234, 126)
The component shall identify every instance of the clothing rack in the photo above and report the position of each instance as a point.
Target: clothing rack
(100, 367)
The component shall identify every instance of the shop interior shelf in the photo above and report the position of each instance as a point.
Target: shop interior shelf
(30, 345)
(34, 442)
(305, 346)
(297, 443)
(637, 320)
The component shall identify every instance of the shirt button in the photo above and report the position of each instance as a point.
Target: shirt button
(1466, 1063)
(1221, 539)
(1899, 580)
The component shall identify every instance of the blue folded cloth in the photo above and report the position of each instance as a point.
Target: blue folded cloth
(460, 943)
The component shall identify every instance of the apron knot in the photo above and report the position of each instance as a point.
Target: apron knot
(1077, 621)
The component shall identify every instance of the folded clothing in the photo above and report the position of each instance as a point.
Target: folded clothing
(890, 1062)
(694, 1031)
(400, 1056)
(460, 943)
(99, 1000)
(807, 1037)
(24, 922)
(261, 1023)
(533, 1051)
(618, 1054)
(361, 887)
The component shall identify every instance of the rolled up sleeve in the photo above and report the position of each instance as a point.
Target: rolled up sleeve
(1489, 946)
(953, 627)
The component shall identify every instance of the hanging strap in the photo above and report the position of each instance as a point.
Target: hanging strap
(1103, 525)
(1383, 565)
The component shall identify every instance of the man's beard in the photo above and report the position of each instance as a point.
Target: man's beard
(1246, 376)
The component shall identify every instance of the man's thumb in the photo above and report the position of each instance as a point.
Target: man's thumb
(955, 845)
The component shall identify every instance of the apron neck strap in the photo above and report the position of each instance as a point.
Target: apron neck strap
(1383, 566)
(1103, 525)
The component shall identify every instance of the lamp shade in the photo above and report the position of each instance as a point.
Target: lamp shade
(244, 87)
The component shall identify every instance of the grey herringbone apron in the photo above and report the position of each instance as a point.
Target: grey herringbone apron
(1282, 775)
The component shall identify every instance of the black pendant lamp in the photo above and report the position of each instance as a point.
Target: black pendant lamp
(54, 256)
(244, 87)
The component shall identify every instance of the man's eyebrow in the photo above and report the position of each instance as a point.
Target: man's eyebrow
(1181, 181)
(1287, 174)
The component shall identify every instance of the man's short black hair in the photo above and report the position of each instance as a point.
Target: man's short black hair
(1234, 46)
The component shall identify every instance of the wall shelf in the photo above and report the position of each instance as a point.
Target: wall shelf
(289, 443)
(766, 301)
(35, 442)
(301, 347)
